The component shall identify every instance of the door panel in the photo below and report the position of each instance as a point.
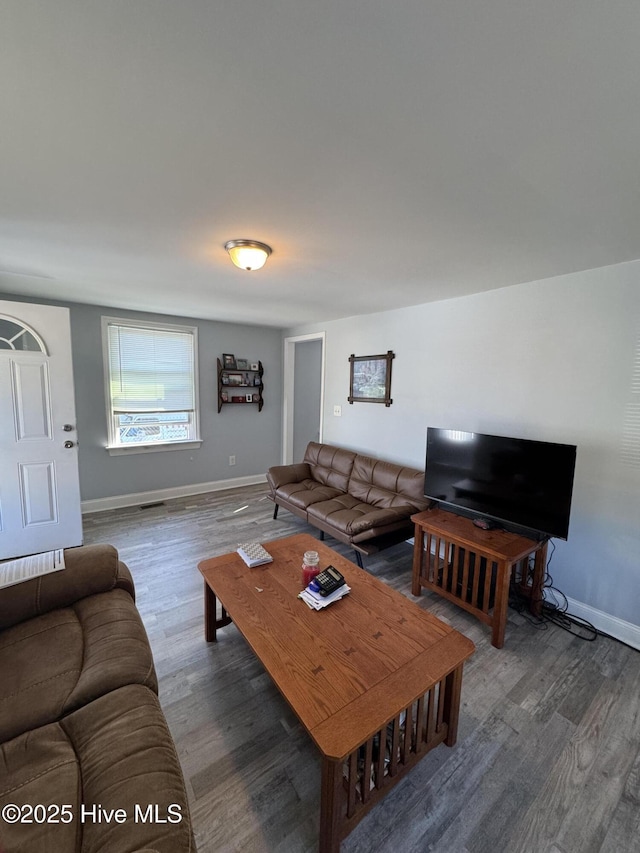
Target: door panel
(31, 399)
(38, 494)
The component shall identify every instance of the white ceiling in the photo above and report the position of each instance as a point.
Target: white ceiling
(392, 152)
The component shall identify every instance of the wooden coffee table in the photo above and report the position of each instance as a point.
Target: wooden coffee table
(374, 679)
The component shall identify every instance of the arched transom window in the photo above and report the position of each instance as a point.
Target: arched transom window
(15, 335)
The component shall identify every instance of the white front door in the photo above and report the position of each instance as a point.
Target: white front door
(39, 484)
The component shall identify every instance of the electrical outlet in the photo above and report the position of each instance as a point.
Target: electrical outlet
(232, 460)
(337, 411)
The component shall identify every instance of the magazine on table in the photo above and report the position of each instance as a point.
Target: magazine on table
(315, 601)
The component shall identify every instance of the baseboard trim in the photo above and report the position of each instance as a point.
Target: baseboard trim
(626, 632)
(137, 498)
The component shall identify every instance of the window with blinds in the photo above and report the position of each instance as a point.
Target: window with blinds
(151, 378)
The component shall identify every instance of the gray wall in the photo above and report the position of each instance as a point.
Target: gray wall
(557, 360)
(254, 438)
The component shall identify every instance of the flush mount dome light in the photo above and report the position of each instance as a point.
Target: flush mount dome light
(248, 254)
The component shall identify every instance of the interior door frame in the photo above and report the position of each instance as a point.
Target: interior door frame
(288, 390)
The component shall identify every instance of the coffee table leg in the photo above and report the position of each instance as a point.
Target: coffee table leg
(331, 795)
(211, 622)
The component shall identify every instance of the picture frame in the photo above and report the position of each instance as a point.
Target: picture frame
(235, 378)
(224, 396)
(228, 361)
(257, 380)
(255, 365)
(242, 364)
(370, 379)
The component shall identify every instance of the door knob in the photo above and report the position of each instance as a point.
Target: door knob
(68, 444)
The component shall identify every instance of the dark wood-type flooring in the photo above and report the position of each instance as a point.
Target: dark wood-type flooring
(548, 752)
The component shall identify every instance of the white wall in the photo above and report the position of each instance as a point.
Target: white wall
(553, 360)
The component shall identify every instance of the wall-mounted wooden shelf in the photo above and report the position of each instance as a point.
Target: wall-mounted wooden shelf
(244, 384)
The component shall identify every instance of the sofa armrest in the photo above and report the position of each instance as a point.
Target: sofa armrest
(89, 569)
(280, 475)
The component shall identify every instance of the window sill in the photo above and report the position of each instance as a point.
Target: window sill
(123, 450)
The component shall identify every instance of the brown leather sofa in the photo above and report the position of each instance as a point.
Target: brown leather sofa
(364, 502)
(87, 762)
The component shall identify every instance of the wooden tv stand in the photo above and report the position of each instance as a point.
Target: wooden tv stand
(473, 567)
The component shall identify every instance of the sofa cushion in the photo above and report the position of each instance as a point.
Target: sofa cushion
(305, 493)
(57, 662)
(352, 517)
(383, 484)
(331, 466)
(115, 753)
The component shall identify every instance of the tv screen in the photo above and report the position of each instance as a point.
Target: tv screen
(516, 482)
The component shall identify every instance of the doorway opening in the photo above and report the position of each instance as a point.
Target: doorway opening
(303, 399)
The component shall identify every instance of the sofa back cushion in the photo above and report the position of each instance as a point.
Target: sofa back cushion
(384, 484)
(330, 466)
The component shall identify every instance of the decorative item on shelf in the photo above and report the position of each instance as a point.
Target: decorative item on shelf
(242, 364)
(254, 365)
(248, 254)
(235, 378)
(228, 361)
(249, 398)
(224, 397)
(371, 378)
(257, 379)
(237, 399)
(224, 379)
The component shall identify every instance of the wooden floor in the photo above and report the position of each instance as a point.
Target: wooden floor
(548, 752)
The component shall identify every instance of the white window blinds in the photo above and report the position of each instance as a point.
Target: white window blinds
(151, 369)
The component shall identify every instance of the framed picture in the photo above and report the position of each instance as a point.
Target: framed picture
(235, 378)
(257, 380)
(371, 378)
(225, 379)
(255, 365)
(241, 364)
(237, 399)
(228, 361)
(224, 397)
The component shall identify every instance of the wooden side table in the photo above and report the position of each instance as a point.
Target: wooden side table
(473, 567)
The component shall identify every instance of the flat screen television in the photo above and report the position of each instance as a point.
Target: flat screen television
(523, 485)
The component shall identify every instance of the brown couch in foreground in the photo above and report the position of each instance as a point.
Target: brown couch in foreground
(364, 502)
(87, 762)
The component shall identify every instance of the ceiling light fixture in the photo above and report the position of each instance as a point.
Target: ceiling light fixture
(248, 254)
